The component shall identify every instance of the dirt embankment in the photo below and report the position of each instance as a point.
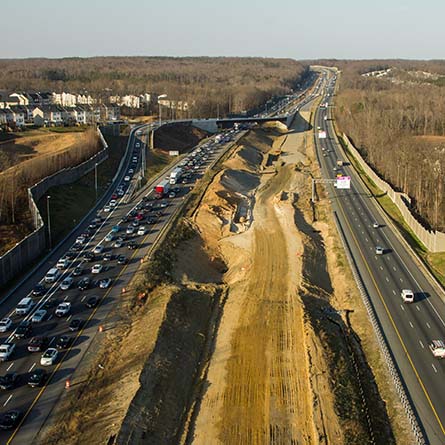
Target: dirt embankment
(181, 137)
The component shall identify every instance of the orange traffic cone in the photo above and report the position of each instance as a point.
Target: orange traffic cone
(67, 383)
(101, 328)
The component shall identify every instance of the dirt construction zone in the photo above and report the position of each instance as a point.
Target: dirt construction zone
(261, 337)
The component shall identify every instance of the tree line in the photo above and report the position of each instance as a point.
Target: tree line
(209, 85)
(15, 181)
(398, 124)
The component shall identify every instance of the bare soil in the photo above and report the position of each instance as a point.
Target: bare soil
(259, 335)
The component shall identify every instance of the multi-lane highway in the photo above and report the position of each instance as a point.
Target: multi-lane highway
(127, 219)
(408, 327)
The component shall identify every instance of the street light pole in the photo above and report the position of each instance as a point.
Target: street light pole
(161, 96)
(49, 221)
(95, 178)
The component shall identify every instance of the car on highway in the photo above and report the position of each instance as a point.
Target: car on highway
(118, 243)
(142, 230)
(39, 290)
(38, 343)
(10, 419)
(112, 203)
(38, 316)
(163, 204)
(130, 230)
(67, 283)
(24, 306)
(63, 263)
(107, 209)
(63, 309)
(49, 357)
(379, 250)
(375, 225)
(5, 324)
(121, 259)
(37, 377)
(105, 283)
(172, 194)
(97, 268)
(132, 245)
(77, 271)
(407, 295)
(63, 342)
(93, 301)
(115, 229)
(6, 351)
(84, 283)
(98, 249)
(437, 347)
(75, 325)
(9, 380)
(89, 256)
(108, 257)
(127, 178)
(138, 144)
(23, 330)
(109, 238)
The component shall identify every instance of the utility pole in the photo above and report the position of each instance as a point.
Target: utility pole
(95, 178)
(49, 221)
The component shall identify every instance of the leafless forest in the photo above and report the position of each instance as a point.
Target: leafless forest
(209, 85)
(15, 181)
(397, 121)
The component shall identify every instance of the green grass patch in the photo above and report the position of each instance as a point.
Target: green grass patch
(77, 129)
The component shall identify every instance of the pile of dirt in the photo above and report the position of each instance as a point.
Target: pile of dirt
(178, 136)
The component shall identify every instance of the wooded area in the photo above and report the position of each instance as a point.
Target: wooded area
(15, 181)
(397, 121)
(209, 85)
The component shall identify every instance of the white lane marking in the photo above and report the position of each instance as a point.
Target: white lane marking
(435, 370)
(394, 268)
(381, 267)
(51, 316)
(421, 344)
(387, 279)
(51, 341)
(68, 319)
(393, 291)
(402, 307)
(66, 298)
(10, 366)
(83, 298)
(411, 325)
(401, 280)
(418, 308)
(11, 314)
(428, 325)
(32, 367)
(9, 398)
(366, 239)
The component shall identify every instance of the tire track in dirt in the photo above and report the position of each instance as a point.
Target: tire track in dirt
(268, 396)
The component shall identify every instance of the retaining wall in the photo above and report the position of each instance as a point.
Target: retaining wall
(434, 241)
(33, 245)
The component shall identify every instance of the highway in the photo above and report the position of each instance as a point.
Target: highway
(408, 327)
(36, 403)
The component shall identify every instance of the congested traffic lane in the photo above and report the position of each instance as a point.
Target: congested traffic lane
(33, 401)
(409, 327)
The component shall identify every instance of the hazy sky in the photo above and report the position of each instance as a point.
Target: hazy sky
(298, 29)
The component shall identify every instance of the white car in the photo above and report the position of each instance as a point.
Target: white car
(63, 263)
(113, 203)
(138, 144)
(38, 316)
(5, 324)
(127, 178)
(141, 230)
(63, 309)
(131, 171)
(407, 295)
(379, 250)
(49, 357)
(105, 283)
(81, 239)
(107, 209)
(97, 268)
(130, 230)
(98, 249)
(375, 225)
(109, 238)
(437, 347)
(6, 350)
(66, 283)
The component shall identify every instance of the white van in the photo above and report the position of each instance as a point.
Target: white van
(52, 275)
(407, 295)
(24, 306)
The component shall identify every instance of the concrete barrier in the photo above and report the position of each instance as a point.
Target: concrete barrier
(34, 244)
(434, 241)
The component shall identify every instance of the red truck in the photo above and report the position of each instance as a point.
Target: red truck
(162, 188)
